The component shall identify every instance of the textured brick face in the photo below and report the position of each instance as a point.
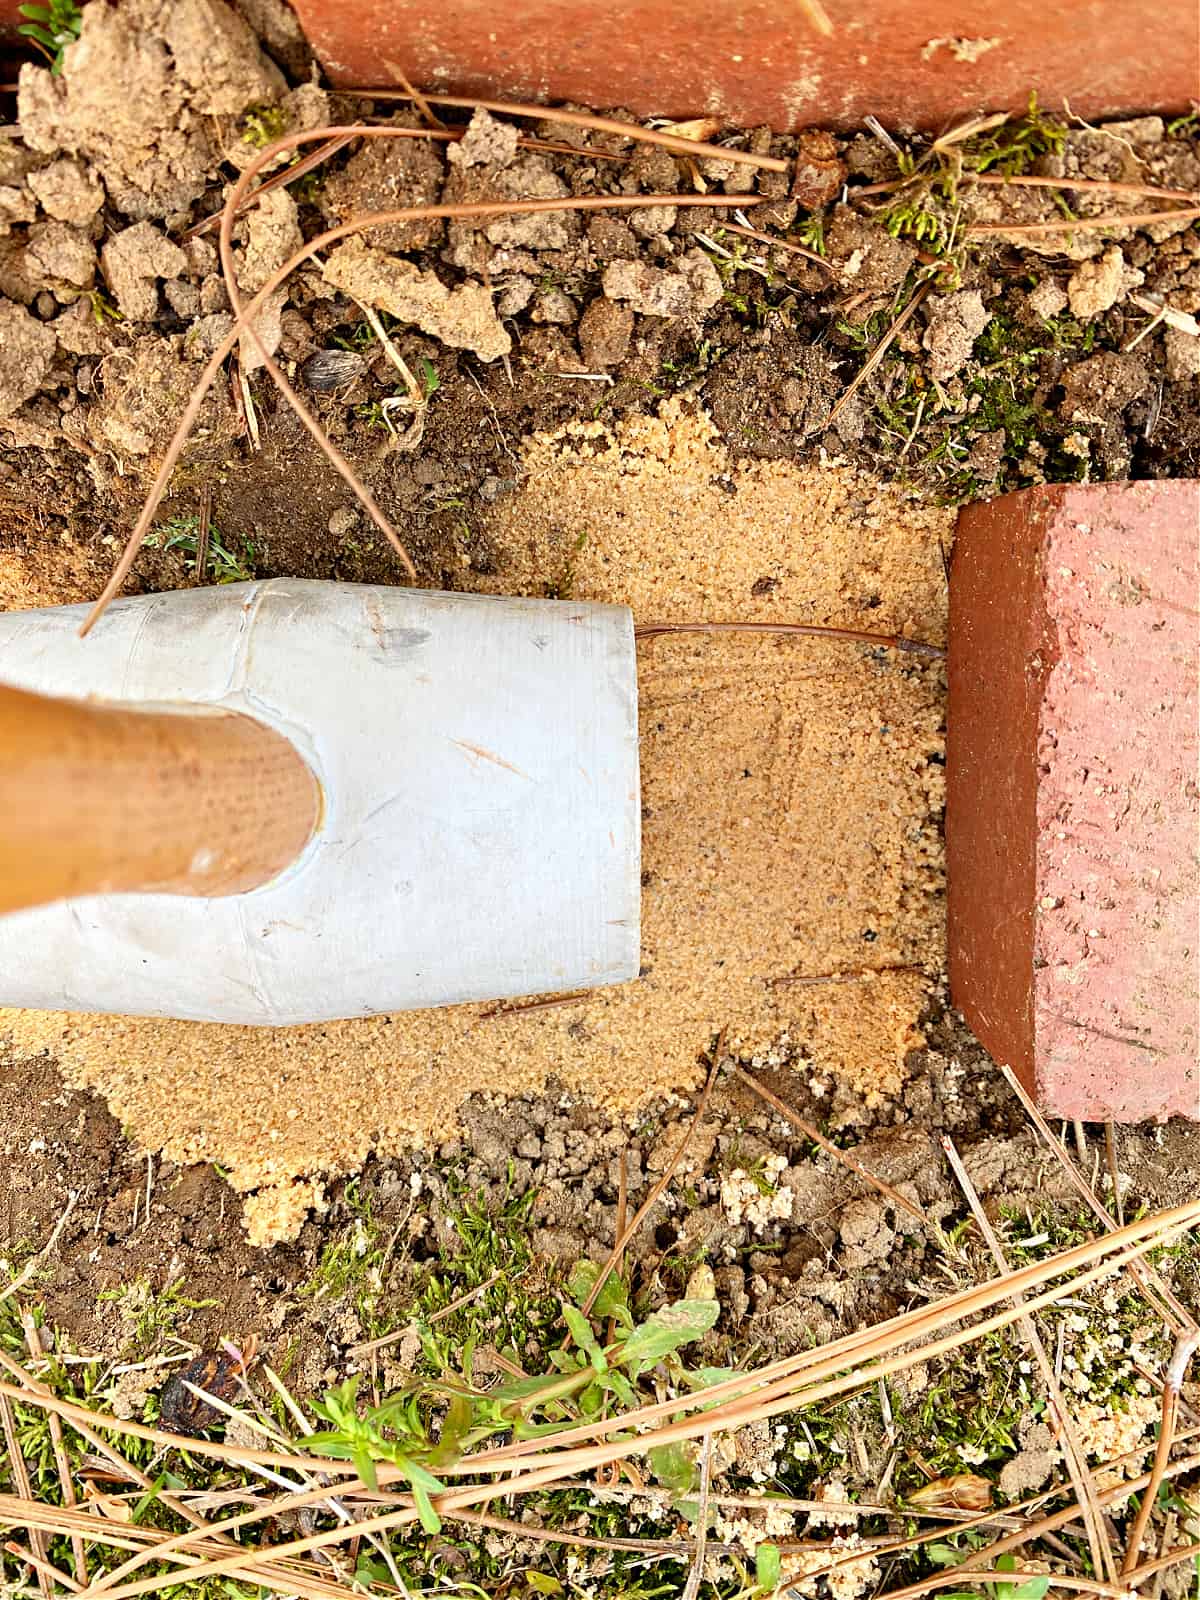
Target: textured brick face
(909, 62)
(1073, 816)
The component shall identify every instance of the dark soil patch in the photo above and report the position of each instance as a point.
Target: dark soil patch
(833, 1256)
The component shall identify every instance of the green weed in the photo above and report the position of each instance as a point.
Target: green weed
(353, 1266)
(689, 369)
(221, 565)
(810, 232)
(925, 207)
(1014, 147)
(969, 1415)
(51, 28)
(103, 309)
(1027, 1589)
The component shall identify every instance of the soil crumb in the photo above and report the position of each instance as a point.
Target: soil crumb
(792, 792)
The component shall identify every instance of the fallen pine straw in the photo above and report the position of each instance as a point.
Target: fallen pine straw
(801, 1380)
(584, 119)
(1081, 1479)
(892, 641)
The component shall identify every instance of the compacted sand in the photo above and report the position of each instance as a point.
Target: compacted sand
(792, 794)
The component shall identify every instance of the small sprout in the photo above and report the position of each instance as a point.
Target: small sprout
(221, 564)
(51, 28)
(811, 233)
(430, 381)
(103, 309)
(768, 1567)
(1014, 146)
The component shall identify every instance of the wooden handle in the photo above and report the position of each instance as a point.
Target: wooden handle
(103, 799)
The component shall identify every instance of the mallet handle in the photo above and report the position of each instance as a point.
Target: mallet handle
(104, 799)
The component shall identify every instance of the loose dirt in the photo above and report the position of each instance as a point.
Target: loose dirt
(636, 406)
(792, 790)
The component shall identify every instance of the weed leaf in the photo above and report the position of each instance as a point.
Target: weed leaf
(672, 1467)
(669, 1328)
(768, 1568)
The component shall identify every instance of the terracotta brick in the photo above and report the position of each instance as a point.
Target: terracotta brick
(920, 63)
(1072, 814)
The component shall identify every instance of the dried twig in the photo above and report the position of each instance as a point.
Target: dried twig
(455, 1305)
(1110, 1150)
(277, 179)
(694, 1578)
(585, 119)
(1135, 219)
(203, 530)
(1032, 181)
(245, 314)
(396, 73)
(524, 1007)
(818, 17)
(890, 641)
(818, 980)
(877, 355)
(1081, 1478)
(1176, 1315)
(29, 1270)
(777, 243)
(48, 1575)
(1185, 1348)
(417, 398)
(893, 1196)
(33, 1341)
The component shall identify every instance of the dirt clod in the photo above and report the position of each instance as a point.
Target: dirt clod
(657, 292)
(64, 256)
(67, 190)
(955, 322)
(1097, 285)
(486, 143)
(133, 261)
(461, 317)
(26, 350)
(605, 330)
(820, 171)
(137, 93)
(388, 175)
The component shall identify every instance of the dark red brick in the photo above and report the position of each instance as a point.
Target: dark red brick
(755, 61)
(1072, 813)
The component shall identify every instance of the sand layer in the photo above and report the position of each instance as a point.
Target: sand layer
(792, 794)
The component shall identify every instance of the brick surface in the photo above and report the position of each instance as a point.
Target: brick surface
(912, 63)
(1072, 819)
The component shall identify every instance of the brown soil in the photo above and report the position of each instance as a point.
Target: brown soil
(791, 804)
(835, 1257)
(549, 470)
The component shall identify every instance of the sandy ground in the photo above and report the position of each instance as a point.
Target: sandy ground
(792, 792)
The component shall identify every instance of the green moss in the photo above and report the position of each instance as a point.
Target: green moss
(151, 1317)
(262, 125)
(1015, 146)
(352, 1267)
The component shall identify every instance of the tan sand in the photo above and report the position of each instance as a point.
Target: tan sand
(791, 829)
